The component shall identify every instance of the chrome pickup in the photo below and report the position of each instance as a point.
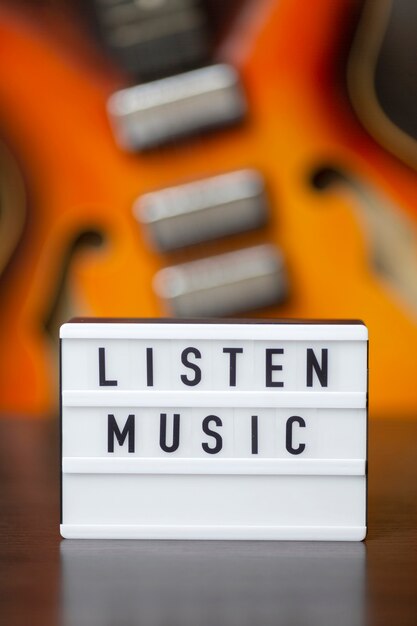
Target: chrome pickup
(145, 116)
(226, 284)
(203, 210)
(154, 38)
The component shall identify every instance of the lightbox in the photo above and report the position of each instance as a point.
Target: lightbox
(214, 429)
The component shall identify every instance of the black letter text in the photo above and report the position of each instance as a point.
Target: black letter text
(128, 431)
(232, 367)
(207, 430)
(288, 439)
(175, 434)
(184, 360)
(254, 434)
(269, 367)
(102, 370)
(321, 370)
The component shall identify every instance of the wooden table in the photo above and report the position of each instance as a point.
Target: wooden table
(44, 580)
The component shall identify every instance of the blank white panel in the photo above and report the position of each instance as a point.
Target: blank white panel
(143, 329)
(231, 399)
(214, 500)
(223, 466)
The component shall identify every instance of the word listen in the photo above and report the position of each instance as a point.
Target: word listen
(193, 371)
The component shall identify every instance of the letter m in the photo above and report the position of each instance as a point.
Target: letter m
(128, 431)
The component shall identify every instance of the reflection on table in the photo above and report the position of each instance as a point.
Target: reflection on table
(208, 583)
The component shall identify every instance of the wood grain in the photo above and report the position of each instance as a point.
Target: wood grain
(44, 580)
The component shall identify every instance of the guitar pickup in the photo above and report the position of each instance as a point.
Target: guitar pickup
(226, 284)
(151, 39)
(146, 116)
(203, 210)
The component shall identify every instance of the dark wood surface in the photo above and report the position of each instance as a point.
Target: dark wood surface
(44, 580)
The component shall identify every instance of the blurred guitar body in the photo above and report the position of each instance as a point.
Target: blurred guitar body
(341, 208)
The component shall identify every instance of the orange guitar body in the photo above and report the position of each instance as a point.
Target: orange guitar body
(53, 93)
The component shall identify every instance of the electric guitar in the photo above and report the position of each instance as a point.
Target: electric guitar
(341, 208)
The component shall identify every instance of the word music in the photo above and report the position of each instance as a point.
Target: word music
(211, 426)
